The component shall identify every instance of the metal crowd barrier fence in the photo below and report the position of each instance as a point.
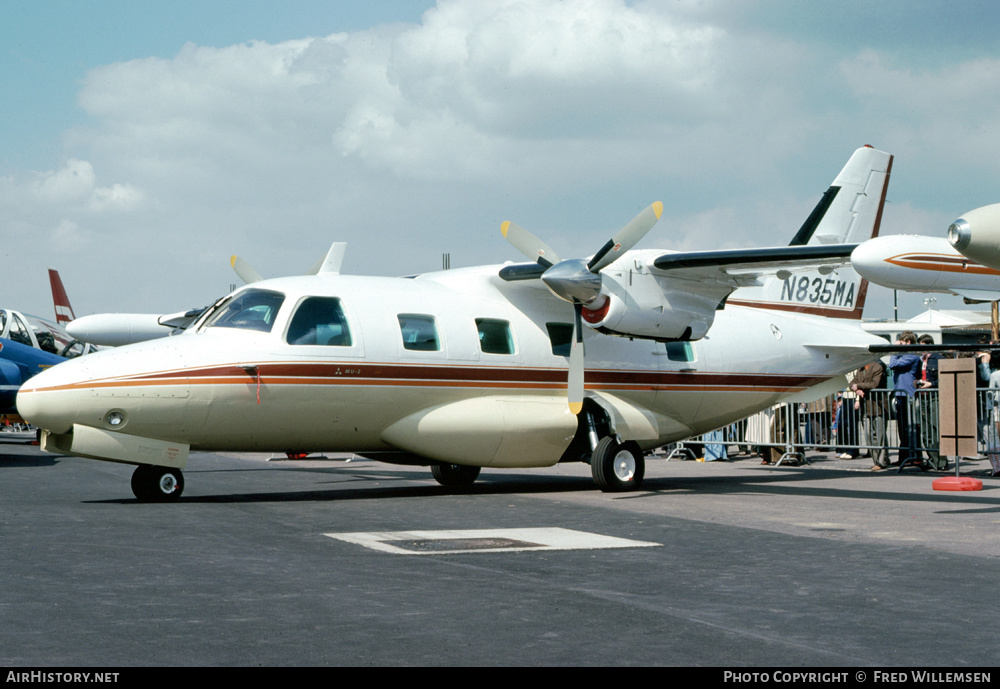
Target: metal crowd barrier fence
(879, 424)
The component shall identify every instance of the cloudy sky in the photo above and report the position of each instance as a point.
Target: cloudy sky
(144, 143)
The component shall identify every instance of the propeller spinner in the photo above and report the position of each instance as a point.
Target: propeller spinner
(578, 281)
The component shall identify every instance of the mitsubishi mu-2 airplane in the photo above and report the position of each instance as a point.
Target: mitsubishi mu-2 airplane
(596, 360)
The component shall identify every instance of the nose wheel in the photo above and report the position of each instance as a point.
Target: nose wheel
(617, 467)
(157, 484)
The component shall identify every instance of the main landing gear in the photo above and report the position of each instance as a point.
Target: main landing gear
(157, 484)
(617, 466)
(455, 475)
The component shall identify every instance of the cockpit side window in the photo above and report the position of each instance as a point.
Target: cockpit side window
(419, 333)
(252, 309)
(319, 321)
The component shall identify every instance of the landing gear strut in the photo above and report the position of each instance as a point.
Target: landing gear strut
(157, 484)
(616, 466)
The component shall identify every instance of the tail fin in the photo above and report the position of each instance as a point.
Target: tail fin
(64, 312)
(851, 209)
(849, 213)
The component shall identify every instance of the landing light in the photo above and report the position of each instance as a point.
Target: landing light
(115, 418)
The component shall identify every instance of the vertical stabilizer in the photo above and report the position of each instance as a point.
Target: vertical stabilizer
(850, 212)
(64, 312)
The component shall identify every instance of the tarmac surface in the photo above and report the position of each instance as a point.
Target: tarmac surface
(722, 564)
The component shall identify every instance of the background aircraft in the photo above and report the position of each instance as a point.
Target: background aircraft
(112, 329)
(118, 329)
(977, 235)
(29, 345)
(595, 359)
(925, 264)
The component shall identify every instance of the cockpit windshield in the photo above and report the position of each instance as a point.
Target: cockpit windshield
(252, 309)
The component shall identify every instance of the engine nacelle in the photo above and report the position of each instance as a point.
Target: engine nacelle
(977, 235)
(635, 303)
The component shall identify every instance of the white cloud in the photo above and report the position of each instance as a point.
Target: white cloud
(948, 112)
(408, 140)
(72, 189)
(67, 237)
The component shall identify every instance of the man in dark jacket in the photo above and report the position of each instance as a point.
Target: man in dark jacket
(906, 372)
(870, 386)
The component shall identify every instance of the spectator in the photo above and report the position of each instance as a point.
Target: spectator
(870, 387)
(927, 406)
(906, 371)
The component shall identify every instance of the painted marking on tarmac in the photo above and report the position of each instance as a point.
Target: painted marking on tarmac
(448, 542)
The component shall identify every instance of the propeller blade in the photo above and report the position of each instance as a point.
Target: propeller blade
(243, 269)
(626, 238)
(528, 244)
(575, 383)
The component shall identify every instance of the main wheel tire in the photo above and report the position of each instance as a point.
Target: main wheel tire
(617, 467)
(157, 484)
(455, 475)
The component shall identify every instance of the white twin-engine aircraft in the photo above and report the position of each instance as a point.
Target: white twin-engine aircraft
(485, 367)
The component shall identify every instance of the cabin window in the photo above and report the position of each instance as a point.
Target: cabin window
(679, 351)
(560, 337)
(319, 321)
(251, 309)
(419, 333)
(494, 336)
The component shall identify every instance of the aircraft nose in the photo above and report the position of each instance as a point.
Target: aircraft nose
(42, 403)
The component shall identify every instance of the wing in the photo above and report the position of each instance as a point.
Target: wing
(744, 267)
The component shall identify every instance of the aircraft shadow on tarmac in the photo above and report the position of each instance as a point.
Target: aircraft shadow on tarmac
(373, 487)
(778, 484)
(8, 460)
(378, 485)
